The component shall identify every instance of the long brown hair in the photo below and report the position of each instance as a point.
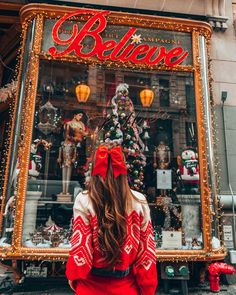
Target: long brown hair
(110, 198)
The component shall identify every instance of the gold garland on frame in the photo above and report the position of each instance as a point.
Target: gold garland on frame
(118, 64)
(32, 78)
(204, 184)
(120, 18)
(12, 114)
(208, 200)
(197, 28)
(218, 214)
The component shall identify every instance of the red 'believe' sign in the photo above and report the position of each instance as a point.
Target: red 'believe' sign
(124, 50)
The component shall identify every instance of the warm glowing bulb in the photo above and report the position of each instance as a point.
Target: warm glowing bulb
(82, 92)
(146, 96)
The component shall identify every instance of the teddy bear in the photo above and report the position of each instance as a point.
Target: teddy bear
(188, 170)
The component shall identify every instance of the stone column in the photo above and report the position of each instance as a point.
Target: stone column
(215, 7)
(216, 14)
(30, 214)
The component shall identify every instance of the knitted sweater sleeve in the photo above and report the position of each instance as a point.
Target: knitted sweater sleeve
(145, 265)
(81, 253)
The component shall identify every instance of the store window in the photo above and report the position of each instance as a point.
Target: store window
(87, 94)
(161, 162)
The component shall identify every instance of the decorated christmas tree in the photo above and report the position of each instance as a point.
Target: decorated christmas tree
(121, 127)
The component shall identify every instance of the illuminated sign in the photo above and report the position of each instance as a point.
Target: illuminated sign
(131, 47)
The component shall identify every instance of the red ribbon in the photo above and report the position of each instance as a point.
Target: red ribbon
(101, 163)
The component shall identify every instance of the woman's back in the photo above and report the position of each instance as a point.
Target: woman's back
(137, 266)
(112, 236)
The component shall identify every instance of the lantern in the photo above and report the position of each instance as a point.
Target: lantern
(146, 96)
(82, 92)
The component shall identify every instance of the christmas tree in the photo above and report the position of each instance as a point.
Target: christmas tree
(121, 127)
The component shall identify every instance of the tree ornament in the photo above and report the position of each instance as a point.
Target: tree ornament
(146, 135)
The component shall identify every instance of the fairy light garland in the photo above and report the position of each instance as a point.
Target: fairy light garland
(42, 13)
(118, 64)
(11, 124)
(30, 103)
(205, 190)
(219, 213)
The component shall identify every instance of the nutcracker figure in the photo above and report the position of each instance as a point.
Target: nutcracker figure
(66, 160)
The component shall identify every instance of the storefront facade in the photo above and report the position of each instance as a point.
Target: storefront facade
(89, 75)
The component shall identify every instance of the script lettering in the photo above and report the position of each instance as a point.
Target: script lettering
(122, 50)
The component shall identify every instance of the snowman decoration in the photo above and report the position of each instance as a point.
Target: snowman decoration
(35, 164)
(188, 170)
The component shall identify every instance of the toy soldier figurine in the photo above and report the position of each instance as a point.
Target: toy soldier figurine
(66, 160)
(161, 156)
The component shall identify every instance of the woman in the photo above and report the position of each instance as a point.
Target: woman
(113, 250)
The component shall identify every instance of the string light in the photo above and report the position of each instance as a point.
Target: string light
(10, 127)
(43, 12)
(218, 214)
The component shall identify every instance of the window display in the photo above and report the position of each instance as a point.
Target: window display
(154, 138)
(97, 76)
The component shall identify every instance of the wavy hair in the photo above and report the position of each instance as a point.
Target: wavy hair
(110, 198)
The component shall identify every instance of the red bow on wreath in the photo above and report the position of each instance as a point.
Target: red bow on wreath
(101, 163)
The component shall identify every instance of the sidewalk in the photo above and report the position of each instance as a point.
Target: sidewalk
(229, 290)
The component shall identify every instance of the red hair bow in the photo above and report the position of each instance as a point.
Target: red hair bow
(101, 163)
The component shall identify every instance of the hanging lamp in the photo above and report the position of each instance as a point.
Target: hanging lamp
(82, 92)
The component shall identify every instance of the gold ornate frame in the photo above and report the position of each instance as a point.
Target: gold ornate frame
(42, 11)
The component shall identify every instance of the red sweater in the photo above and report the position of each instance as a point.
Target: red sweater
(138, 249)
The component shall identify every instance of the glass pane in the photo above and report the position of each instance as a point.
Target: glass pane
(9, 205)
(159, 140)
